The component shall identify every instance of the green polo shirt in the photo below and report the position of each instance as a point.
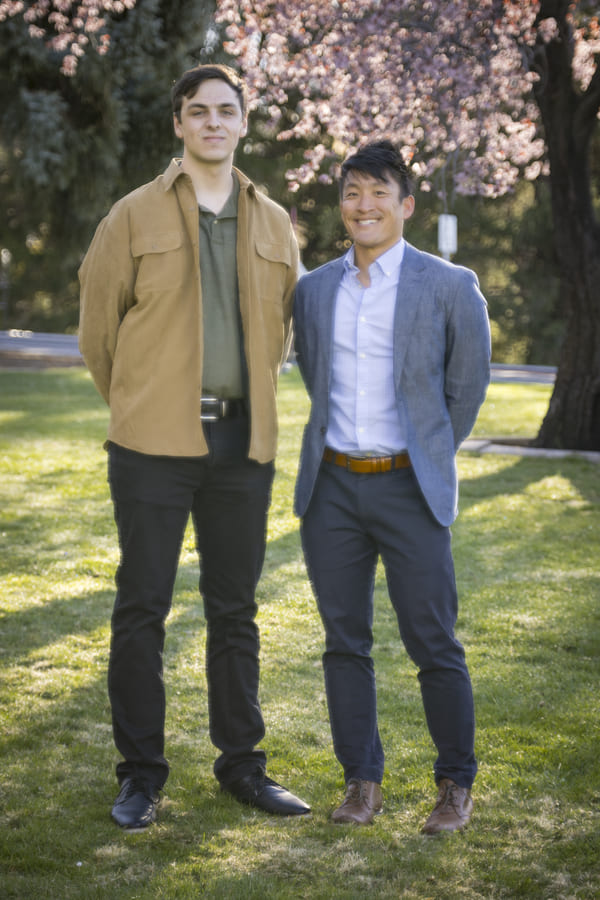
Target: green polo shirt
(224, 367)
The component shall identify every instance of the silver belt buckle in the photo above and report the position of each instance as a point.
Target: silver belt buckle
(221, 409)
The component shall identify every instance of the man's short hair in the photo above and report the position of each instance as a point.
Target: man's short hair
(379, 159)
(187, 85)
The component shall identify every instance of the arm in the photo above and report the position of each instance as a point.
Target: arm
(300, 335)
(467, 364)
(107, 277)
(288, 296)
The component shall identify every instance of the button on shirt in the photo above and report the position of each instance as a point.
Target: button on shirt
(224, 369)
(363, 414)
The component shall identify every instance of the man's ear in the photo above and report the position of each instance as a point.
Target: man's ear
(408, 206)
(177, 126)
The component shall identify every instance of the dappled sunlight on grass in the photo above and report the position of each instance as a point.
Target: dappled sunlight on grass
(512, 410)
(526, 552)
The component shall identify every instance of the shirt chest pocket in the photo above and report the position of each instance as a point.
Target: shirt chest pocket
(160, 262)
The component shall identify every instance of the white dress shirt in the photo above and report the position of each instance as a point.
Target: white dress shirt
(363, 416)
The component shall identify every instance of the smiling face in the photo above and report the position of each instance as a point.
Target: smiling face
(374, 213)
(211, 123)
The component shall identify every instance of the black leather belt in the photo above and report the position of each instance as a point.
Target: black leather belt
(212, 409)
(367, 464)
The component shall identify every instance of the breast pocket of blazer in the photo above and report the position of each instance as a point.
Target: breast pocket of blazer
(273, 260)
(160, 262)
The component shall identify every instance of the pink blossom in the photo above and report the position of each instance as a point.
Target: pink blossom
(446, 80)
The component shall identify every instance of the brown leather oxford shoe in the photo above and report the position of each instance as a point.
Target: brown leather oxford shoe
(363, 801)
(452, 809)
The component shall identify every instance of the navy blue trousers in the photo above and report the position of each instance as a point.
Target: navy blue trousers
(351, 521)
(228, 497)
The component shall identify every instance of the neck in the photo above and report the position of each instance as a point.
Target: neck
(212, 183)
(363, 257)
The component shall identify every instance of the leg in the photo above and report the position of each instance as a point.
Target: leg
(150, 530)
(230, 518)
(341, 560)
(420, 575)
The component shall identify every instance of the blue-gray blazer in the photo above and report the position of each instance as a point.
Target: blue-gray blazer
(441, 369)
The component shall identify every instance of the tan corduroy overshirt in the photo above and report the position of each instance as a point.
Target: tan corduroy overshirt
(140, 330)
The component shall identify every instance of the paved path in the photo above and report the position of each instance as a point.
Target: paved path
(27, 349)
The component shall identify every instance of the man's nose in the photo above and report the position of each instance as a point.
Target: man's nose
(365, 201)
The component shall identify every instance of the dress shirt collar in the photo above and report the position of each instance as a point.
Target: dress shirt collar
(389, 262)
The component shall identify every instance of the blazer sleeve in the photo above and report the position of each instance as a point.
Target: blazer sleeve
(300, 332)
(468, 352)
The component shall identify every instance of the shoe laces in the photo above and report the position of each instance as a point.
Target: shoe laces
(137, 785)
(449, 797)
(355, 790)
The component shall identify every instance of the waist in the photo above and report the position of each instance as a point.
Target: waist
(367, 464)
(213, 408)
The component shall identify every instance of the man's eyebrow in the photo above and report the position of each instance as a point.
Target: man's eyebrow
(197, 104)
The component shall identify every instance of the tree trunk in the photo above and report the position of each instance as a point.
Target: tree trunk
(569, 117)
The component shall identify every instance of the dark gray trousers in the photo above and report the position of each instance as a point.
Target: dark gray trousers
(352, 520)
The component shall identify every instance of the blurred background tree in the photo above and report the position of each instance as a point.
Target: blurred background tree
(481, 93)
(70, 144)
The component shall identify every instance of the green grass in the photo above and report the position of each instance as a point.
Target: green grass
(512, 410)
(526, 550)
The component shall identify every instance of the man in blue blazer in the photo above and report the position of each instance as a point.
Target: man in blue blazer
(394, 348)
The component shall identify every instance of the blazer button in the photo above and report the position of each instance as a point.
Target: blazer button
(323, 430)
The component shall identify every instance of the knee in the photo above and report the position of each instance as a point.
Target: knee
(433, 652)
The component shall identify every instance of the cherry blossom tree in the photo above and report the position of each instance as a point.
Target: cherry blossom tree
(479, 94)
(67, 26)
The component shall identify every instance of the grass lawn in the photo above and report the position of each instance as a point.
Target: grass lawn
(526, 550)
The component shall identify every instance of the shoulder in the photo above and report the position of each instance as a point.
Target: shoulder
(331, 269)
(262, 203)
(437, 267)
(141, 199)
(267, 205)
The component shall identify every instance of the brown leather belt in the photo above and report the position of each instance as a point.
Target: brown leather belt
(367, 464)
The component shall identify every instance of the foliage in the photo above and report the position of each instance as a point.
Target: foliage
(525, 549)
(481, 95)
(71, 146)
(115, 110)
(67, 27)
(448, 78)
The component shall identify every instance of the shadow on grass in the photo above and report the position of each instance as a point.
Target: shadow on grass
(529, 620)
(26, 630)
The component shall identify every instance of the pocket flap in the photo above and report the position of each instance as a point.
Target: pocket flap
(159, 242)
(274, 251)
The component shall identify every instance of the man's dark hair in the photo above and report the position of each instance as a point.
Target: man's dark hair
(187, 85)
(379, 159)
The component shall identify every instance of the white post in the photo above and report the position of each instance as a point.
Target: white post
(447, 235)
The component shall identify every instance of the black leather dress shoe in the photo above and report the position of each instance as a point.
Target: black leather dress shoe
(135, 806)
(262, 792)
